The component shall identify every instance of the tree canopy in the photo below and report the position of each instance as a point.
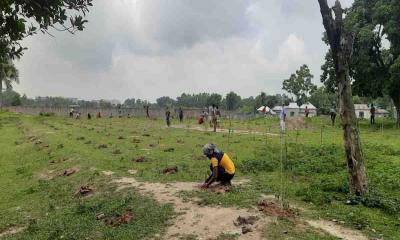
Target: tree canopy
(21, 18)
(299, 84)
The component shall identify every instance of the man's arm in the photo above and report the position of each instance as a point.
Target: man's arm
(212, 178)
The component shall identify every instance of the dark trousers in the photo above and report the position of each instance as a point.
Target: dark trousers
(372, 119)
(333, 118)
(223, 176)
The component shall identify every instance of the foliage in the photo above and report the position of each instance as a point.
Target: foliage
(299, 84)
(323, 100)
(10, 98)
(8, 74)
(232, 101)
(214, 99)
(165, 102)
(20, 19)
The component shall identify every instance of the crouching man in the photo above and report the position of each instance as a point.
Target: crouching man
(222, 167)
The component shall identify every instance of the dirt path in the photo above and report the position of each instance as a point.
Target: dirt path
(208, 222)
(203, 221)
(337, 230)
(223, 130)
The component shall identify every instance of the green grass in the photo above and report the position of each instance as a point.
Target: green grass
(314, 173)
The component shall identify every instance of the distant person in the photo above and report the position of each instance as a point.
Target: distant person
(168, 117)
(89, 116)
(128, 116)
(214, 117)
(78, 115)
(332, 113)
(307, 111)
(71, 113)
(98, 115)
(180, 115)
(222, 167)
(372, 111)
(111, 116)
(282, 118)
(147, 111)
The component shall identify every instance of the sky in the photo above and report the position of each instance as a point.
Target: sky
(151, 48)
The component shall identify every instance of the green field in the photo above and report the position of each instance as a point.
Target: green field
(305, 168)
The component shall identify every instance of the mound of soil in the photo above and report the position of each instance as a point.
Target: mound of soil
(70, 171)
(246, 220)
(136, 140)
(88, 142)
(170, 170)
(139, 159)
(169, 149)
(199, 158)
(146, 135)
(102, 146)
(116, 151)
(152, 145)
(80, 138)
(84, 191)
(273, 208)
(118, 220)
(121, 137)
(180, 141)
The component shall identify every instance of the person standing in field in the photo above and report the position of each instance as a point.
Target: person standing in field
(147, 111)
(307, 111)
(332, 113)
(168, 116)
(89, 116)
(180, 115)
(282, 118)
(214, 117)
(372, 111)
(222, 167)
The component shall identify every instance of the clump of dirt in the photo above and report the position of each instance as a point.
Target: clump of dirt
(80, 138)
(139, 159)
(169, 149)
(199, 158)
(170, 170)
(116, 151)
(102, 146)
(88, 142)
(273, 208)
(84, 191)
(180, 141)
(121, 137)
(70, 171)
(38, 142)
(136, 140)
(118, 220)
(246, 220)
(199, 145)
(146, 135)
(246, 229)
(152, 145)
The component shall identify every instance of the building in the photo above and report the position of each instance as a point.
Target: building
(381, 113)
(362, 111)
(292, 110)
(312, 110)
(277, 109)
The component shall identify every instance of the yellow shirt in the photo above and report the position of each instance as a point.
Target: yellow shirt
(226, 163)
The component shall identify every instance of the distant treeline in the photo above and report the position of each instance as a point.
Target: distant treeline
(320, 98)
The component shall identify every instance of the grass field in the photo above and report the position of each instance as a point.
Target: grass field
(305, 168)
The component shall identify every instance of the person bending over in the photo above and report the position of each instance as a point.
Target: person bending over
(222, 167)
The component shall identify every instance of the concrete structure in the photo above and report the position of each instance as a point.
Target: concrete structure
(381, 113)
(277, 109)
(312, 110)
(293, 110)
(362, 111)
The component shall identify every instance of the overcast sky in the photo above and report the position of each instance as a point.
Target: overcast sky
(151, 48)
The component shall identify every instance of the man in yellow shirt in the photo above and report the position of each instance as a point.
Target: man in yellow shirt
(222, 167)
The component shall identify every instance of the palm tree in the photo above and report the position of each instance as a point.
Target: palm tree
(8, 75)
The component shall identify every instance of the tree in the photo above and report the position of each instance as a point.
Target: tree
(323, 100)
(20, 18)
(299, 84)
(232, 101)
(373, 66)
(130, 102)
(341, 39)
(8, 75)
(165, 102)
(214, 99)
(11, 98)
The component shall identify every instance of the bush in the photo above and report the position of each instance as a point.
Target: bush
(254, 166)
(46, 114)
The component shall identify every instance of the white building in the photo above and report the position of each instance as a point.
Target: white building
(381, 113)
(362, 111)
(312, 110)
(292, 110)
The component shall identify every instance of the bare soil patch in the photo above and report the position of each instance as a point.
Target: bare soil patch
(170, 170)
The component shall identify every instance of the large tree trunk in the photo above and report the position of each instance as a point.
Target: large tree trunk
(341, 43)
